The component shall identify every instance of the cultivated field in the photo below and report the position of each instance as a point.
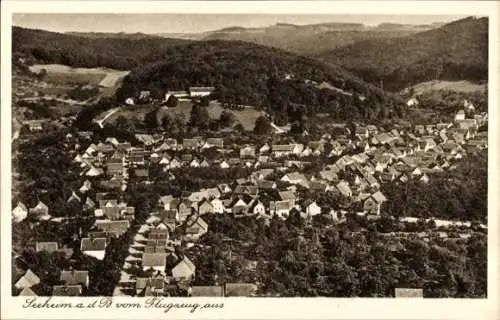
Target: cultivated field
(107, 79)
(458, 86)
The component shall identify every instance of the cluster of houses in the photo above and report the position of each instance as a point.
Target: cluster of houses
(154, 267)
(191, 93)
(353, 166)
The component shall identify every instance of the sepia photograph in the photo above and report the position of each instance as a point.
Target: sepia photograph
(259, 155)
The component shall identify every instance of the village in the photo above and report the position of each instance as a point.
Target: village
(283, 178)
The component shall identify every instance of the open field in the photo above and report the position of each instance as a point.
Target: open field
(246, 116)
(458, 86)
(107, 79)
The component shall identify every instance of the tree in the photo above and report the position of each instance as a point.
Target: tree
(199, 117)
(227, 119)
(262, 126)
(172, 101)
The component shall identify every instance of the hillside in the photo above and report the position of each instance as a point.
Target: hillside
(122, 53)
(309, 39)
(249, 74)
(455, 51)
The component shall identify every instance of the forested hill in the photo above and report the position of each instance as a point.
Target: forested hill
(455, 51)
(77, 51)
(250, 74)
(309, 40)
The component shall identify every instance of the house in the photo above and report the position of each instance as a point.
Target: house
(191, 144)
(224, 188)
(381, 162)
(343, 187)
(74, 197)
(19, 213)
(94, 172)
(73, 277)
(195, 227)
(94, 247)
(264, 148)
(116, 228)
(67, 291)
(256, 207)
(460, 115)
(373, 203)
(155, 261)
(280, 150)
(266, 184)
(27, 292)
(144, 95)
(184, 270)
(239, 207)
(200, 91)
(194, 163)
(205, 207)
(311, 208)
(408, 293)
(296, 178)
(177, 94)
(288, 196)
(240, 289)
(412, 102)
(150, 287)
(46, 246)
(361, 132)
(280, 208)
(328, 175)
(28, 280)
(85, 186)
(224, 165)
(34, 125)
(206, 291)
(41, 211)
(214, 142)
(217, 205)
(372, 130)
(185, 209)
(247, 152)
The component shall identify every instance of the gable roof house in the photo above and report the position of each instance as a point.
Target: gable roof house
(94, 247)
(195, 227)
(240, 289)
(296, 178)
(280, 208)
(156, 261)
(214, 142)
(184, 270)
(239, 207)
(74, 277)
(40, 211)
(311, 208)
(46, 246)
(280, 150)
(150, 287)
(205, 207)
(67, 291)
(27, 292)
(343, 187)
(28, 280)
(373, 203)
(247, 152)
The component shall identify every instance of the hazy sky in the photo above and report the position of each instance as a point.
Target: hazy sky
(178, 23)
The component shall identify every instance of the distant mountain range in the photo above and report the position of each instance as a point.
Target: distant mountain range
(455, 51)
(391, 56)
(310, 39)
